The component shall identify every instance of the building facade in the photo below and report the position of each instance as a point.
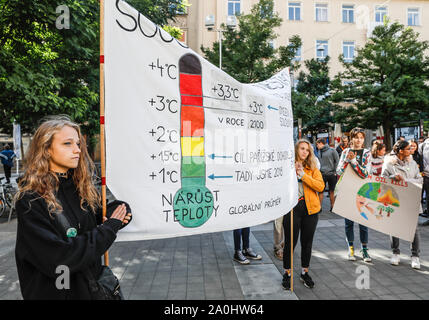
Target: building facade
(326, 27)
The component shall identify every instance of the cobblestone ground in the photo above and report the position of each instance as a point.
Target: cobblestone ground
(201, 267)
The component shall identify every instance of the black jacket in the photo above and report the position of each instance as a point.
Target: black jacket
(42, 245)
(419, 160)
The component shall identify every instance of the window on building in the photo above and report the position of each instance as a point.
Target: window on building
(321, 12)
(294, 10)
(233, 7)
(348, 50)
(177, 9)
(348, 84)
(413, 17)
(348, 13)
(295, 84)
(380, 13)
(321, 49)
(266, 12)
(298, 53)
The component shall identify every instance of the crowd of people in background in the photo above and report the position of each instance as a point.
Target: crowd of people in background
(319, 168)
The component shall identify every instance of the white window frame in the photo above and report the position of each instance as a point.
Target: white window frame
(295, 84)
(327, 11)
(327, 44)
(294, 13)
(234, 3)
(419, 10)
(348, 60)
(298, 58)
(375, 12)
(348, 9)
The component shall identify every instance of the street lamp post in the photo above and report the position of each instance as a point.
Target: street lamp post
(220, 48)
(231, 23)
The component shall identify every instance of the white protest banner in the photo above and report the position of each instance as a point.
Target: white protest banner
(379, 203)
(188, 147)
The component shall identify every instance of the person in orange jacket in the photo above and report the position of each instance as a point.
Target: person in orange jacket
(305, 213)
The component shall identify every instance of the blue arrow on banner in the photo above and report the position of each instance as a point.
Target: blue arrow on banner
(272, 108)
(212, 156)
(212, 176)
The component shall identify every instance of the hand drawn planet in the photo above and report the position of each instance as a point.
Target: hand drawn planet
(377, 199)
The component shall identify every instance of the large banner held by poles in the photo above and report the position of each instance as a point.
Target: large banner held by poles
(379, 203)
(188, 147)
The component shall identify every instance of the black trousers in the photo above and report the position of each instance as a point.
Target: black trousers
(306, 225)
(7, 172)
(426, 188)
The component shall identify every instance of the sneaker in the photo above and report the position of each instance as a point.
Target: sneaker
(286, 281)
(351, 255)
(278, 254)
(365, 255)
(248, 253)
(425, 214)
(415, 263)
(395, 259)
(306, 279)
(238, 256)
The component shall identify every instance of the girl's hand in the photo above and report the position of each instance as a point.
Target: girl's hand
(299, 168)
(120, 213)
(351, 155)
(398, 177)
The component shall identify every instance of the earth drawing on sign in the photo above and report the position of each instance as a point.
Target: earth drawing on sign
(376, 199)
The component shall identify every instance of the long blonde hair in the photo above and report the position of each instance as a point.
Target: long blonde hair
(310, 162)
(38, 178)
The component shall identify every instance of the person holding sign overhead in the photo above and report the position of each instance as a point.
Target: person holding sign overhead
(402, 167)
(305, 213)
(357, 157)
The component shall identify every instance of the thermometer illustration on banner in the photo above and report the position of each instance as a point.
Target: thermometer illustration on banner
(193, 202)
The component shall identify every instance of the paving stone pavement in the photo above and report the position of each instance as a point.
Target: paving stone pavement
(200, 267)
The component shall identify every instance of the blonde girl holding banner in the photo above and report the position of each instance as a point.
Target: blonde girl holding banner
(60, 227)
(305, 213)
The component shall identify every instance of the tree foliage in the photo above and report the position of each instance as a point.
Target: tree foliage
(161, 12)
(45, 70)
(387, 82)
(311, 101)
(247, 51)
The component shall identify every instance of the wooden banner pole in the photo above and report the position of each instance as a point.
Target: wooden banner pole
(102, 138)
(291, 250)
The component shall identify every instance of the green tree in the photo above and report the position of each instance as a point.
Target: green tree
(386, 83)
(47, 71)
(247, 51)
(174, 31)
(161, 12)
(311, 101)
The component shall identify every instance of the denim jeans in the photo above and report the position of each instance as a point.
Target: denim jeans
(241, 234)
(363, 232)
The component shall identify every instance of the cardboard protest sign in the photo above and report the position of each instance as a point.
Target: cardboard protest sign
(379, 203)
(191, 149)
